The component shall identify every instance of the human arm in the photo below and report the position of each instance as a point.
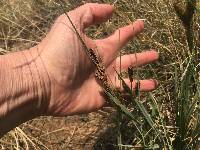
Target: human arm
(24, 88)
(56, 77)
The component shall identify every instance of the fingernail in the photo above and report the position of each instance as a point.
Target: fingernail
(156, 83)
(142, 19)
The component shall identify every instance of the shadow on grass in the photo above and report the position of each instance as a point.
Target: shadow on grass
(107, 140)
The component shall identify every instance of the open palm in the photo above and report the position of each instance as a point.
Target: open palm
(74, 88)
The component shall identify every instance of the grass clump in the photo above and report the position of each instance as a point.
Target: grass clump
(168, 118)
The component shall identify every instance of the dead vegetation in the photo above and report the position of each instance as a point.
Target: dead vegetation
(24, 23)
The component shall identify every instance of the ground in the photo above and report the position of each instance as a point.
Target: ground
(89, 131)
(24, 23)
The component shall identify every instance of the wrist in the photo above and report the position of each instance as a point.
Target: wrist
(24, 93)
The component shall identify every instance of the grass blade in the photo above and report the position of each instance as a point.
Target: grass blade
(140, 106)
(125, 110)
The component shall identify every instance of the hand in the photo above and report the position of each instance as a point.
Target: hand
(74, 89)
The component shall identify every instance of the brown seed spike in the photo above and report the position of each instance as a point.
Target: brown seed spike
(130, 73)
(93, 57)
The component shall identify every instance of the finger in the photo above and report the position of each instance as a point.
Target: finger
(93, 13)
(145, 85)
(121, 36)
(110, 45)
(136, 60)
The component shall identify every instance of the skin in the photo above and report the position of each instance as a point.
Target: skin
(56, 76)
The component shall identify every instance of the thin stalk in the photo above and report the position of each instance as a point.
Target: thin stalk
(120, 117)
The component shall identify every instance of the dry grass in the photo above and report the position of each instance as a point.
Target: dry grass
(24, 23)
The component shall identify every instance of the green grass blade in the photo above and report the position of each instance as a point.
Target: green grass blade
(185, 107)
(140, 106)
(121, 106)
(155, 111)
(125, 110)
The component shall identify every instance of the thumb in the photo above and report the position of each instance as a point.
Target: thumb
(92, 13)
